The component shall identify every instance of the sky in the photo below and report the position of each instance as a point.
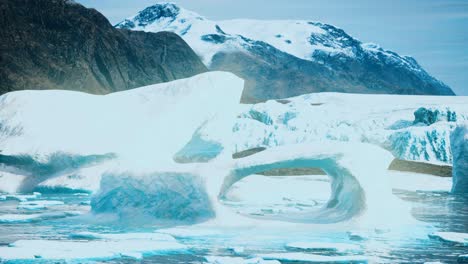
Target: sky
(434, 32)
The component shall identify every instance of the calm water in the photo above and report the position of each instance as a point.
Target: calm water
(437, 211)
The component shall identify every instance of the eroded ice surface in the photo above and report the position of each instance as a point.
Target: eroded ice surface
(459, 142)
(377, 119)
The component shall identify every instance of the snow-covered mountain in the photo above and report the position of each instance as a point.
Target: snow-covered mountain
(286, 58)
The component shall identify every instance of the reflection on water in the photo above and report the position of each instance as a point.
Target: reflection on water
(436, 211)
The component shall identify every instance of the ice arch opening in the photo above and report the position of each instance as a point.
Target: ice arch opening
(279, 192)
(357, 172)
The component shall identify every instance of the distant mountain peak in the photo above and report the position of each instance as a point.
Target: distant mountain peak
(163, 11)
(283, 58)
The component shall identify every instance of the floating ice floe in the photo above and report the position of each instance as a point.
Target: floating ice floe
(21, 197)
(236, 250)
(123, 236)
(28, 218)
(313, 258)
(326, 246)
(452, 237)
(38, 204)
(238, 260)
(133, 245)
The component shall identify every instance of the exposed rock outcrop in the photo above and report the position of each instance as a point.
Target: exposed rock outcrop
(59, 44)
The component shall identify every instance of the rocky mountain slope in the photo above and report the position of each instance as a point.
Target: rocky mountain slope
(59, 44)
(280, 59)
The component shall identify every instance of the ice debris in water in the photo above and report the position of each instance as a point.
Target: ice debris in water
(451, 237)
(133, 245)
(37, 205)
(238, 260)
(313, 258)
(340, 247)
(29, 218)
(21, 197)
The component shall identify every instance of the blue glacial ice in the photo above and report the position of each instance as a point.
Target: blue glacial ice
(459, 143)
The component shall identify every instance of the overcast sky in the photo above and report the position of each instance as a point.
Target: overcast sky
(435, 32)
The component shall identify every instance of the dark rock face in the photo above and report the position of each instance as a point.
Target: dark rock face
(273, 74)
(59, 44)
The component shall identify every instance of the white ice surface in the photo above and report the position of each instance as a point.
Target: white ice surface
(419, 182)
(114, 246)
(281, 191)
(375, 119)
(142, 127)
(10, 182)
(28, 218)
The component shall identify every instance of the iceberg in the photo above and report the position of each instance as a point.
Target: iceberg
(164, 196)
(359, 186)
(359, 183)
(400, 128)
(48, 137)
(459, 143)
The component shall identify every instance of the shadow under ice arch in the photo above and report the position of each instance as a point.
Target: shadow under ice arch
(357, 171)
